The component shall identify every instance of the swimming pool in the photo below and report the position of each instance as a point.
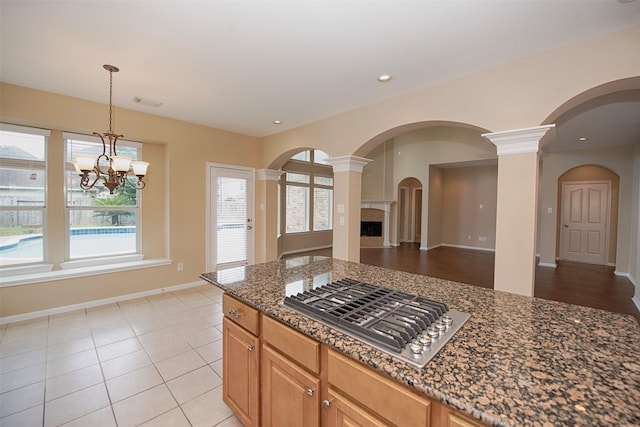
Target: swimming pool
(84, 242)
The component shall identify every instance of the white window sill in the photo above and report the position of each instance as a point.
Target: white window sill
(74, 269)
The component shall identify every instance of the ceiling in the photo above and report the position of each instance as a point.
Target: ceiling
(240, 65)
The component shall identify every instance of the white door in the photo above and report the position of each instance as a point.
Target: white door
(230, 217)
(584, 226)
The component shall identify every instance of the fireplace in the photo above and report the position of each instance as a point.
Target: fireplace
(374, 225)
(371, 228)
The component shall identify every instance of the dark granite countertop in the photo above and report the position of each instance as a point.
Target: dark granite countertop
(518, 361)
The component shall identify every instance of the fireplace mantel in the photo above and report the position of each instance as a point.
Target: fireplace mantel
(383, 205)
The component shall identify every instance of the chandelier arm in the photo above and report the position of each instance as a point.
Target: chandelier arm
(84, 180)
(104, 146)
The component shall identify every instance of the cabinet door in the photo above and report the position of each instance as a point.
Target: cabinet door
(290, 395)
(345, 413)
(240, 364)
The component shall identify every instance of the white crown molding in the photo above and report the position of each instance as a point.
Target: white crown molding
(348, 163)
(520, 141)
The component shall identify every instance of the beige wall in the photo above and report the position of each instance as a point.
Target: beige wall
(434, 217)
(634, 268)
(173, 203)
(463, 221)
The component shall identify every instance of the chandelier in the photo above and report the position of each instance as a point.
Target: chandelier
(112, 169)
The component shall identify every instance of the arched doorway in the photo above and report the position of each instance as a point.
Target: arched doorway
(587, 225)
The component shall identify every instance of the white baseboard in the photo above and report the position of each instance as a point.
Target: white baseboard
(428, 248)
(475, 248)
(95, 303)
(547, 264)
(299, 251)
(636, 301)
(621, 273)
(633, 280)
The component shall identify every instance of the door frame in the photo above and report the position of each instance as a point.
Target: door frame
(210, 221)
(607, 227)
(404, 204)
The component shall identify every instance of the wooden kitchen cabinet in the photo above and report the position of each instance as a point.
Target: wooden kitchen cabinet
(342, 412)
(290, 394)
(241, 366)
(379, 395)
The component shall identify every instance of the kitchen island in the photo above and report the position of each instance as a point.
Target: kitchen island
(518, 361)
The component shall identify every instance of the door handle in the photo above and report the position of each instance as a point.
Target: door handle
(566, 226)
(249, 227)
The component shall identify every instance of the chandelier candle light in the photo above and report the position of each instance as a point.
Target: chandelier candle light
(118, 166)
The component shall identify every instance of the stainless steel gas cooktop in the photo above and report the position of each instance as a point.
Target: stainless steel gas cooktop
(409, 327)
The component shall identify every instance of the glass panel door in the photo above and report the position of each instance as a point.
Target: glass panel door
(232, 233)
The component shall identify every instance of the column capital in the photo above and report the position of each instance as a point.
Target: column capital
(519, 141)
(268, 174)
(348, 163)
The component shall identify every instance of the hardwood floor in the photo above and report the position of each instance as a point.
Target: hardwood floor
(574, 283)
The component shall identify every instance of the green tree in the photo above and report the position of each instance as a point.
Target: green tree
(125, 196)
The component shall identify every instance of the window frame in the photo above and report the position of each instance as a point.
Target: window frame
(312, 170)
(99, 259)
(42, 165)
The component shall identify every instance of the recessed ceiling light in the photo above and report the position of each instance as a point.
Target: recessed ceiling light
(582, 139)
(277, 122)
(384, 78)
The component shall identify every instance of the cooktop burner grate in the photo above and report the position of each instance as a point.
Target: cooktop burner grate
(393, 321)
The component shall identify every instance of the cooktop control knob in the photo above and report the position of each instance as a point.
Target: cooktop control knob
(416, 347)
(440, 326)
(425, 340)
(432, 332)
(446, 319)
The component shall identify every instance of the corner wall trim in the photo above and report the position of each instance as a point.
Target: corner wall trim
(95, 303)
(636, 301)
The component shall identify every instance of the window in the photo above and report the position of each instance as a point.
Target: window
(308, 184)
(23, 178)
(297, 202)
(99, 223)
(322, 203)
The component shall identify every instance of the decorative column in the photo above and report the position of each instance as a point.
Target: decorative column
(517, 207)
(266, 233)
(347, 193)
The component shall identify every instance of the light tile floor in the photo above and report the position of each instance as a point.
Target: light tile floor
(154, 361)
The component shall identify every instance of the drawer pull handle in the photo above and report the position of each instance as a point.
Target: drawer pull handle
(309, 392)
(250, 347)
(234, 314)
(326, 403)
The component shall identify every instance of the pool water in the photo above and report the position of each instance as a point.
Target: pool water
(81, 245)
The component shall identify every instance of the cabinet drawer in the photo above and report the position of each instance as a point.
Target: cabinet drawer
(241, 313)
(456, 420)
(381, 395)
(302, 349)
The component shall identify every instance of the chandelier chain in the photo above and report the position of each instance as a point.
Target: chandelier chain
(110, 98)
